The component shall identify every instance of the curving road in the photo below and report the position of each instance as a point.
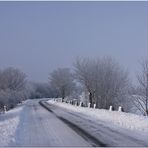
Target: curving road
(103, 133)
(39, 127)
(55, 126)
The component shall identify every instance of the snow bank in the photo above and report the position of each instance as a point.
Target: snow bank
(125, 120)
(8, 125)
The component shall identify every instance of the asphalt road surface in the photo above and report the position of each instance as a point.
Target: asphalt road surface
(55, 126)
(103, 133)
(39, 127)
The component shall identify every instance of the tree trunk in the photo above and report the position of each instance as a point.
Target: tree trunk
(146, 112)
(90, 98)
(63, 95)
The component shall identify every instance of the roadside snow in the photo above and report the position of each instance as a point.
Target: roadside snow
(8, 125)
(125, 120)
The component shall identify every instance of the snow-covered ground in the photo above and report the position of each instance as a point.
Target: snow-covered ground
(124, 120)
(31, 125)
(8, 125)
(106, 126)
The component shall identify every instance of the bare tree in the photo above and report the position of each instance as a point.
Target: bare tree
(112, 83)
(12, 87)
(62, 80)
(104, 80)
(86, 73)
(141, 102)
(13, 79)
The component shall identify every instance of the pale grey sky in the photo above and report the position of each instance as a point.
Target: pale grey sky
(38, 37)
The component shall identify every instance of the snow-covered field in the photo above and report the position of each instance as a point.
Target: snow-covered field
(121, 119)
(8, 125)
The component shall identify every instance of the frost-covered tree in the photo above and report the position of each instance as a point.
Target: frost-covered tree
(141, 102)
(12, 87)
(86, 71)
(104, 79)
(39, 90)
(112, 83)
(13, 79)
(62, 79)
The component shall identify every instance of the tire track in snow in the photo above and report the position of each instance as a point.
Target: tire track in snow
(92, 140)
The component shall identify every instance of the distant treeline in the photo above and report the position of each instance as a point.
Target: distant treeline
(100, 81)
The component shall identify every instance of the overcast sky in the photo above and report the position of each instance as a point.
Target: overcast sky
(38, 37)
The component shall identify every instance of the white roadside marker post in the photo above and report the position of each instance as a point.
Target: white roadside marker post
(120, 109)
(89, 105)
(94, 106)
(80, 104)
(110, 108)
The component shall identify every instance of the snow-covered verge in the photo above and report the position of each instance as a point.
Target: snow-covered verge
(8, 125)
(122, 119)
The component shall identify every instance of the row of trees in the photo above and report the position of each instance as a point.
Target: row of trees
(104, 82)
(14, 88)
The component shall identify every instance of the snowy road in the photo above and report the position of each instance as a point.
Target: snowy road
(32, 125)
(106, 133)
(39, 127)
